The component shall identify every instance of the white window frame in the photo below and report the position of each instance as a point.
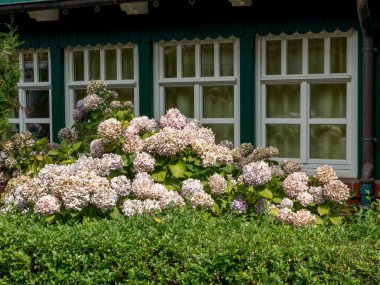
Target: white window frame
(198, 81)
(344, 168)
(71, 85)
(23, 87)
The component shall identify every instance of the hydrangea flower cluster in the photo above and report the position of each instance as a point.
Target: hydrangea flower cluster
(132, 144)
(217, 183)
(324, 174)
(290, 166)
(168, 142)
(67, 134)
(17, 152)
(142, 124)
(239, 205)
(174, 119)
(105, 180)
(96, 86)
(257, 173)
(109, 130)
(97, 147)
(193, 190)
(144, 162)
(147, 196)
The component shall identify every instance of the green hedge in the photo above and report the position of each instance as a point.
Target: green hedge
(187, 247)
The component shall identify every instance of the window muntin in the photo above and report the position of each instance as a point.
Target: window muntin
(34, 95)
(115, 64)
(200, 78)
(306, 98)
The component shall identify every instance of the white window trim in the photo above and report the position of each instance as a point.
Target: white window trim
(160, 82)
(70, 84)
(344, 168)
(22, 87)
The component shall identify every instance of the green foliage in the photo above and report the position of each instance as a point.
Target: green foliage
(187, 247)
(66, 152)
(102, 125)
(9, 75)
(24, 153)
(86, 127)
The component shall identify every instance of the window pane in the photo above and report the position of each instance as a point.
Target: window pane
(188, 60)
(111, 64)
(94, 64)
(328, 100)
(328, 141)
(37, 104)
(28, 67)
(170, 61)
(78, 65)
(79, 94)
(12, 129)
(125, 94)
(127, 58)
(294, 57)
(14, 113)
(40, 130)
(207, 60)
(283, 101)
(43, 67)
(316, 55)
(226, 59)
(181, 98)
(273, 57)
(222, 131)
(286, 138)
(339, 55)
(218, 102)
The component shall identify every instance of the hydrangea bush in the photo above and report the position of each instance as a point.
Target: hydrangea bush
(112, 163)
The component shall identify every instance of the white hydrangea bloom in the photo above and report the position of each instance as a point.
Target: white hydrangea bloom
(47, 205)
(257, 173)
(121, 185)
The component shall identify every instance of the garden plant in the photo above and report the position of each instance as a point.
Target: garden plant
(9, 74)
(112, 163)
(132, 200)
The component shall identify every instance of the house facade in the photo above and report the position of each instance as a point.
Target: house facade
(297, 75)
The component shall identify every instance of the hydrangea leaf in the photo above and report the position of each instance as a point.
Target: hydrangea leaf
(159, 176)
(277, 200)
(49, 219)
(336, 220)
(178, 170)
(54, 152)
(274, 212)
(158, 220)
(319, 221)
(323, 210)
(266, 193)
(115, 213)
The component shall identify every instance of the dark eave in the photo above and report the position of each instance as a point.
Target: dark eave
(27, 6)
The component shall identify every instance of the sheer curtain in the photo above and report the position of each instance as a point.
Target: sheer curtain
(283, 102)
(328, 101)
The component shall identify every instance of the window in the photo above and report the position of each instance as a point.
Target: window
(116, 65)
(34, 94)
(306, 98)
(200, 78)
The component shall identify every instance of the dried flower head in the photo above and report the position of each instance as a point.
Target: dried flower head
(257, 173)
(336, 191)
(96, 86)
(325, 174)
(290, 166)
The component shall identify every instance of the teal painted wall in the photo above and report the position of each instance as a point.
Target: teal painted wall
(146, 79)
(212, 18)
(247, 76)
(57, 90)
